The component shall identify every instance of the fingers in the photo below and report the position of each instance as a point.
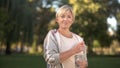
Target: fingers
(81, 43)
(79, 47)
(82, 64)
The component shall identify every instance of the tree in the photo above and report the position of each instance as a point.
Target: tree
(91, 21)
(22, 20)
(7, 25)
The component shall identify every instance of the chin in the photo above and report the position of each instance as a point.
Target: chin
(65, 27)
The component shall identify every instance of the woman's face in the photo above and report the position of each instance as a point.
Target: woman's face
(65, 20)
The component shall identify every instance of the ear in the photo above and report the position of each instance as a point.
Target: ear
(56, 19)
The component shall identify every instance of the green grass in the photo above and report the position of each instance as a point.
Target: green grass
(104, 62)
(22, 61)
(37, 61)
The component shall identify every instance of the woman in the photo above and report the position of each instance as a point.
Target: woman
(62, 48)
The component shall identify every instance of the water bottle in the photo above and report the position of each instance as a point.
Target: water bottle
(79, 57)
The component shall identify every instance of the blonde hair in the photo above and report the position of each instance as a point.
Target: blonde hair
(63, 9)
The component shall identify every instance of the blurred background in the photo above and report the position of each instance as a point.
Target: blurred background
(25, 23)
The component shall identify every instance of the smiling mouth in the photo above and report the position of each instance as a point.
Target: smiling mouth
(65, 22)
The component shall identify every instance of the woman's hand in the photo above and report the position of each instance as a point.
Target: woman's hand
(82, 63)
(79, 47)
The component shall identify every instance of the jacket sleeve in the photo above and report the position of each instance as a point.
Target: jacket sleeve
(51, 50)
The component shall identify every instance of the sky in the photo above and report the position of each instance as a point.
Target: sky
(119, 1)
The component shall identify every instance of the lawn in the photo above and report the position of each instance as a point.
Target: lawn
(22, 61)
(104, 62)
(37, 61)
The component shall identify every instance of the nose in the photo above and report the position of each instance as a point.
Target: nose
(65, 18)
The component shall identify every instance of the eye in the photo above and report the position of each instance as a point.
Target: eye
(69, 16)
(63, 16)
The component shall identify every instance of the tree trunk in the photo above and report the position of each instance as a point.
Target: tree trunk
(8, 49)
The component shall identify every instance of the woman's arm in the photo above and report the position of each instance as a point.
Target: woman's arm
(76, 49)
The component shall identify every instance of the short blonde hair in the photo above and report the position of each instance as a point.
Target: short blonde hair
(63, 9)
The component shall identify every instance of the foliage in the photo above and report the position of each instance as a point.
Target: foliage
(91, 20)
(29, 21)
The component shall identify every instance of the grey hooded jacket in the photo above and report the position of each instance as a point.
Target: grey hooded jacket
(51, 49)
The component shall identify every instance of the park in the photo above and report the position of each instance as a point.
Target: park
(25, 23)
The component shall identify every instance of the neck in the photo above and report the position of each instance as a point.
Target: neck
(65, 32)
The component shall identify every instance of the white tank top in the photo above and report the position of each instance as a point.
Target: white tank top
(66, 44)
